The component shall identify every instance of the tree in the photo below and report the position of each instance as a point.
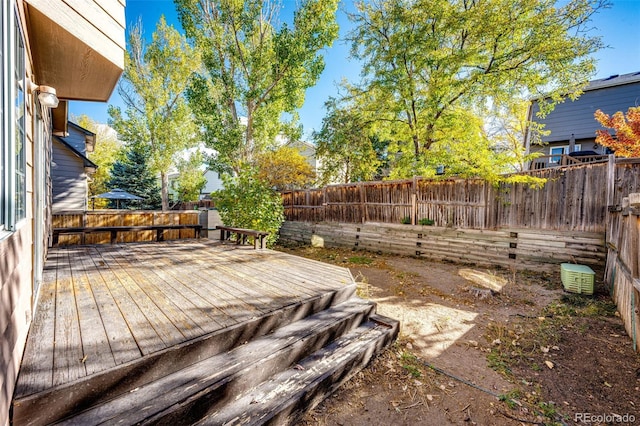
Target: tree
(428, 64)
(133, 175)
(152, 87)
(345, 144)
(191, 178)
(106, 151)
(284, 168)
(255, 70)
(626, 142)
(249, 202)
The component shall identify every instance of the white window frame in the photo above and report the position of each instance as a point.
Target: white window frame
(10, 218)
(557, 156)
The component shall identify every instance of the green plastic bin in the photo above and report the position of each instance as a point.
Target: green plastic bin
(577, 278)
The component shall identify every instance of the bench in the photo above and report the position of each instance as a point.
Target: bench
(83, 230)
(259, 237)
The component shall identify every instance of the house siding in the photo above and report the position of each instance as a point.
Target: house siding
(577, 117)
(69, 181)
(16, 274)
(18, 249)
(77, 140)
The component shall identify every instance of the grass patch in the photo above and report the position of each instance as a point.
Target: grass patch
(411, 364)
(510, 398)
(360, 260)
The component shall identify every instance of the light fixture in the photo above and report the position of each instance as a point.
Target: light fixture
(46, 94)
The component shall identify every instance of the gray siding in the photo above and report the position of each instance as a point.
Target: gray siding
(77, 140)
(576, 117)
(68, 179)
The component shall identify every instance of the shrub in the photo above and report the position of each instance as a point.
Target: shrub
(406, 220)
(248, 202)
(426, 222)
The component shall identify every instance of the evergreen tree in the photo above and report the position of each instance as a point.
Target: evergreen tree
(132, 174)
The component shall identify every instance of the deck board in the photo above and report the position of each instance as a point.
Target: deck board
(37, 366)
(104, 306)
(95, 344)
(68, 355)
(213, 287)
(187, 327)
(121, 341)
(143, 333)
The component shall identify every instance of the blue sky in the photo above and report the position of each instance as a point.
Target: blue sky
(617, 25)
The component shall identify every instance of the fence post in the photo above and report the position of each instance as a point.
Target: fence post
(414, 201)
(324, 203)
(611, 180)
(363, 201)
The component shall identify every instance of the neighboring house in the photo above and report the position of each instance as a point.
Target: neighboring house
(308, 151)
(78, 51)
(214, 183)
(572, 125)
(71, 169)
(214, 179)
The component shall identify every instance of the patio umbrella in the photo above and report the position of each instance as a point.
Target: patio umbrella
(117, 194)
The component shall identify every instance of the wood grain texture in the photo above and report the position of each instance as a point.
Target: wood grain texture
(573, 199)
(105, 308)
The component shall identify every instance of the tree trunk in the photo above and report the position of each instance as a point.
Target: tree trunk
(164, 178)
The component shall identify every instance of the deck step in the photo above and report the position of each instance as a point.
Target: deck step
(189, 394)
(283, 399)
(57, 403)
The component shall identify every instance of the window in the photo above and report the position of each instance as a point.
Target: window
(12, 131)
(559, 150)
(20, 183)
(3, 136)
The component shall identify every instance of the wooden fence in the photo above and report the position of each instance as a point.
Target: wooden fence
(105, 218)
(573, 199)
(622, 272)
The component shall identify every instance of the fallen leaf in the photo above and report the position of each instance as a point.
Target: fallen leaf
(549, 364)
(430, 397)
(608, 385)
(496, 342)
(544, 349)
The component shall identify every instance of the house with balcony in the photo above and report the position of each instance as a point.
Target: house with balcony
(572, 126)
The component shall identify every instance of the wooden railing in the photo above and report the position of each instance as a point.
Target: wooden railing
(562, 160)
(97, 227)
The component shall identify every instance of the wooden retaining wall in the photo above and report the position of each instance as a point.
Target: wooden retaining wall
(124, 218)
(512, 247)
(622, 273)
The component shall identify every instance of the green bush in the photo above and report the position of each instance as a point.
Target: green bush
(426, 222)
(248, 202)
(406, 220)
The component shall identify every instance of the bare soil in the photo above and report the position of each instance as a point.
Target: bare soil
(483, 347)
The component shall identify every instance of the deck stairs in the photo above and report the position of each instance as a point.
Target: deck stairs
(269, 370)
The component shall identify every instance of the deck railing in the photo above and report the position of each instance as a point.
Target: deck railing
(562, 160)
(123, 218)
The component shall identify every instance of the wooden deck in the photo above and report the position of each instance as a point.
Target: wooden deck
(103, 307)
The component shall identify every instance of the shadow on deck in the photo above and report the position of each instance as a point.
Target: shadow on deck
(150, 332)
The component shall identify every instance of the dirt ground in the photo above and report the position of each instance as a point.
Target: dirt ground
(484, 347)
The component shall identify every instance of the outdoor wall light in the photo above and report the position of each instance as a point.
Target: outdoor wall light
(46, 95)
